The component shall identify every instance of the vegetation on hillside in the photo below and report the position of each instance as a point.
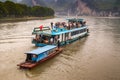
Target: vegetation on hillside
(11, 9)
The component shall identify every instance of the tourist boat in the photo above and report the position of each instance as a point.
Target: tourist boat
(66, 34)
(39, 55)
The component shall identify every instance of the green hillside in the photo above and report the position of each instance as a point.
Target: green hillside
(11, 9)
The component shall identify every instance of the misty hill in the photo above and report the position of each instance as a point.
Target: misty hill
(104, 7)
(34, 2)
(80, 7)
(58, 5)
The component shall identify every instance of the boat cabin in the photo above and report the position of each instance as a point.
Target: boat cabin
(40, 53)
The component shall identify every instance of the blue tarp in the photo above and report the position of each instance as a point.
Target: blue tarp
(41, 50)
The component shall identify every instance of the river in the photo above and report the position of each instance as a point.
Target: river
(96, 57)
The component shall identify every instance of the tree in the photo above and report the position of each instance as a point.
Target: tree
(3, 10)
(11, 8)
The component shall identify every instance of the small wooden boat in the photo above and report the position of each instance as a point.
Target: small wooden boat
(39, 55)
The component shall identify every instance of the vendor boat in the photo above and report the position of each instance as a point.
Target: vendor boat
(39, 55)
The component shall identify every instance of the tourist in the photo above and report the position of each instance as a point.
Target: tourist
(58, 43)
(34, 58)
(51, 25)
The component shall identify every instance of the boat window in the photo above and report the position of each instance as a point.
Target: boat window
(29, 57)
(67, 36)
(37, 38)
(45, 39)
(51, 40)
(40, 56)
(82, 30)
(75, 32)
(42, 38)
(50, 51)
(56, 38)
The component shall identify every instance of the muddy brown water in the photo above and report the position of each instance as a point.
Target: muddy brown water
(96, 57)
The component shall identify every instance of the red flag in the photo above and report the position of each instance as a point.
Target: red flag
(41, 27)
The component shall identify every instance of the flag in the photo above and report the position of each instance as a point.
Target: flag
(41, 27)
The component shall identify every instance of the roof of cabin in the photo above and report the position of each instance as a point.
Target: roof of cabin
(74, 19)
(58, 31)
(66, 31)
(41, 50)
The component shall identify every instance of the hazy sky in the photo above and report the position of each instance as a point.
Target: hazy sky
(19, 0)
(12, 0)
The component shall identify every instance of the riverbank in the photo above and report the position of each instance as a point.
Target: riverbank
(4, 20)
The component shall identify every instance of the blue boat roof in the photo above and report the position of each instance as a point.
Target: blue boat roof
(41, 50)
(58, 32)
(66, 31)
(74, 19)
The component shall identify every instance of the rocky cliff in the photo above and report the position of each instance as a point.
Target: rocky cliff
(97, 7)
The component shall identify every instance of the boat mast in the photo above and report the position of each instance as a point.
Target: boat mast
(68, 14)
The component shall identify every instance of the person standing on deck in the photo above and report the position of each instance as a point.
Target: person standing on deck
(51, 40)
(56, 26)
(58, 43)
(51, 25)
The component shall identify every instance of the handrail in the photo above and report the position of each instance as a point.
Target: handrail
(37, 29)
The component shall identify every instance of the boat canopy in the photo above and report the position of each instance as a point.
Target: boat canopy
(75, 20)
(38, 30)
(58, 32)
(42, 49)
(67, 31)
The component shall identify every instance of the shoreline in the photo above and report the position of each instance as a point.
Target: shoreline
(5, 20)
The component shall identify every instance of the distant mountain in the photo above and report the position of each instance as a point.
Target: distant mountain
(60, 5)
(80, 7)
(33, 2)
(104, 7)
